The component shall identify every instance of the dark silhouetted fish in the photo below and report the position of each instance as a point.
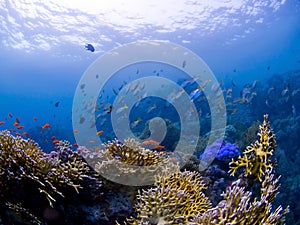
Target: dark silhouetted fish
(90, 47)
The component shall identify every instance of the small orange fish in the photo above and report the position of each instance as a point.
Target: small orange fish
(99, 132)
(16, 124)
(47, 125)
(150, 142)
(17, 120)
(159, 147)
(2, 122)
(34, 118)
(75, 131)
(53, 137)
(92, 142)
(55, 141)
(20, 127)
(25, 134)
(75, 145)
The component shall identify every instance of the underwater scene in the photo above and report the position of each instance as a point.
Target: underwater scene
(149, 112)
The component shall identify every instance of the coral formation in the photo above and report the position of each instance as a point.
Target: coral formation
(24, 165)
(176, 198)
(179, 198)
(226, 152)
(256, 157)
(239, 208)
(129, 162)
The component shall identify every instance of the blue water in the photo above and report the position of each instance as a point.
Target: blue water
(43, 59)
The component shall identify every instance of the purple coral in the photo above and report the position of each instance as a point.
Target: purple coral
(226, 151)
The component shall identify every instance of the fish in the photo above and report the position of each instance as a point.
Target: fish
(229, 93)
(233, 83)
(254, 84)
(89, 47)
(75, 145)
(150, 142)
(184, 64)
(159, 147)
(46, 125)
(268, 67)
(25, 134)
(190, 81)
(151, 108)
(121, 109)
(295, 92)
(55, 141)
(136, 122)
(16, 124)
(108, 108)
(53, 137)
(81, 120)
(75, 131)
(285, 90)
(20, 127)
(195, 94)
(294, 112)
(2, 122)
(215, 87)
(34, 118)
(56, 104)
(99, 132)
(270, 90)
(10, 115)
(267, 103)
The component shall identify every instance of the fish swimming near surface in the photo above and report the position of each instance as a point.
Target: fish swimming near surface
(89, 47)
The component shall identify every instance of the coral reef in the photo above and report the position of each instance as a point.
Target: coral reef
(179, 198)
(256, 157)
(25, 167)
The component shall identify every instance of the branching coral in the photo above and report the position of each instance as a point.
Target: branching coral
(176, 198)
(130, 164)
(22, 160)
(256, 157)
(239, 208)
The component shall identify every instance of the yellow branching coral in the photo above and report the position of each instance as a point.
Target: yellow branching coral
(131, 153)
(176, 198)
(130, 164)
(256, 157)
(238, 207)
(23, 160)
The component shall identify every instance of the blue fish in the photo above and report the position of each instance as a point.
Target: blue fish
(195, 94)
(89, 47)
